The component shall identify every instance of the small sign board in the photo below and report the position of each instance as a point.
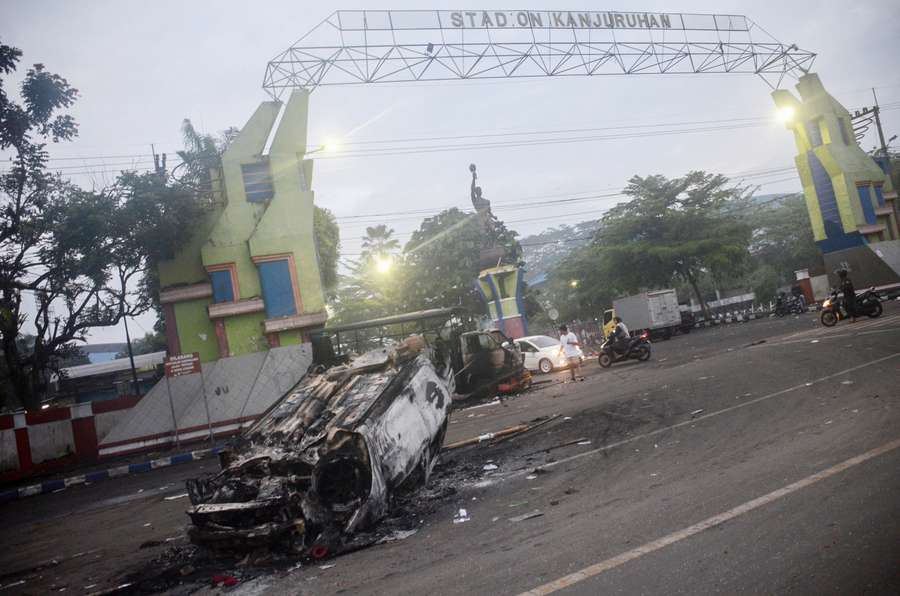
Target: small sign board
(182, 364)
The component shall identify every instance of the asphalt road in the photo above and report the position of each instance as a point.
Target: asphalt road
(725, 465)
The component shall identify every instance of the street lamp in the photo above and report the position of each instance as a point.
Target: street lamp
(383, 264)
(785, 114)
(329, 146)
(574, 283)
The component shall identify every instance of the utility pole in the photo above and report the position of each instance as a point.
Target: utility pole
(137, 388)
(884, 150)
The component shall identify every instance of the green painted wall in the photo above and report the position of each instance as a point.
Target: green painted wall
(239, 231)
(196, 332)
(245, 334)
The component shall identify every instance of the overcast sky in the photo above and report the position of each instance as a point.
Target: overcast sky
(142, 67)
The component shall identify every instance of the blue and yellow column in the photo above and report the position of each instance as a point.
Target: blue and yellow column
(503, 291)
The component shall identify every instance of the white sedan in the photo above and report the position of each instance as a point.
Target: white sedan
(542, 353)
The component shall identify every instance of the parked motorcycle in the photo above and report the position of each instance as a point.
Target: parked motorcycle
(638, 349)
(867, 304)
(788, 304)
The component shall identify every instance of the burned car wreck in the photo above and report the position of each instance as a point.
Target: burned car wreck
(325, 461)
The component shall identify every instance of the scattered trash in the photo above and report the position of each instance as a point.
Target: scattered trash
(554, 502)
(586, 442)
(656, 445)
(815, 341)
(518, 503)
(570, 491)
(661, 359)
(855, 411)
(461, 516)
(524, 516)
(88, 587)
(809, 384)
(148, 525)
(540, 470)
(175, 497)
(12, 585)
(567, 418)
(654, 475)
(225, 580)
(329, 566)
(828, 422)
(702, 378)
(489, 467)
(530, 477)
(495, 518)
(696, 413)
(846, 382)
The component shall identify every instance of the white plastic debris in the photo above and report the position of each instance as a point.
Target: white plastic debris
(524, 516)
(489, 467)
(583, 443)
(846, 382)
(175, 497)
(329, 566)
(696, 412)
(461, 516)
(531, 477)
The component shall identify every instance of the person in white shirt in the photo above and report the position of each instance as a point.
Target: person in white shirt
(621, 335)
(568, 346)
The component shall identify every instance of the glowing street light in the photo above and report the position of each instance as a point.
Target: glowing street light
(574, 283)
(785, 114)
(383, 264)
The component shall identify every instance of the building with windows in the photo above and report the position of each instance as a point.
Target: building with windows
(852, 206)
(248, 280)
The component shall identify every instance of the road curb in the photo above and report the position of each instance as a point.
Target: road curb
(58, 484)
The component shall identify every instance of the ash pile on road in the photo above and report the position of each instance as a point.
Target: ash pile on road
(324, 464)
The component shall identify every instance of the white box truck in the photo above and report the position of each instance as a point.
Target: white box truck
(657, 312)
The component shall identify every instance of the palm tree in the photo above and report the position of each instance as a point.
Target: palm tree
(378, 242)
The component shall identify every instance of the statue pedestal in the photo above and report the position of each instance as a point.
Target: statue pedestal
(502, 290)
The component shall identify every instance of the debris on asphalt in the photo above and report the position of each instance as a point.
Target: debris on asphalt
(325, 462)
(225, 580)
(846, 382)
(815, 341)
(490, 467)
(175, 497)
(559, 446)
(524, 516)
(329, 566)
(696, 413)
(530, 477)
(585, 442)
(518, 503)
(554, 502)
(461, 516)
(828, 422)
(570, 491)
(186, 570)
(397, 535)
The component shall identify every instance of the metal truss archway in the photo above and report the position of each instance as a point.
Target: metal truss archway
(353, 47)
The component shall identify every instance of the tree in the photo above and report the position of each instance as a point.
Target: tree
(442, 260)
(379, 242)
(79, 254)
(328, 246)
(150, 343)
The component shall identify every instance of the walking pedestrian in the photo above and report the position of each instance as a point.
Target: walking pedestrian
(568, 346)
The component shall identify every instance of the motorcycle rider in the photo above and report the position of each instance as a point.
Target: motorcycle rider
(849, 294)
(620, 337)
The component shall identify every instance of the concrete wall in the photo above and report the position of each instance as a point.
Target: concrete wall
(238, 389)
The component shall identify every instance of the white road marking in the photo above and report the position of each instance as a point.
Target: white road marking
(691, 421)
(824, 336)
(640, 551)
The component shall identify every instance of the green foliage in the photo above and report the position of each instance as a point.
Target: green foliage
(783, 239)
(442, 260)
(328, 245)
(79, 254)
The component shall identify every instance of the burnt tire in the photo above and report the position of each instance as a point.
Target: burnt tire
(545, 366)
(828, 318)
(604, 360)
(643, 353)
(876, 311)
